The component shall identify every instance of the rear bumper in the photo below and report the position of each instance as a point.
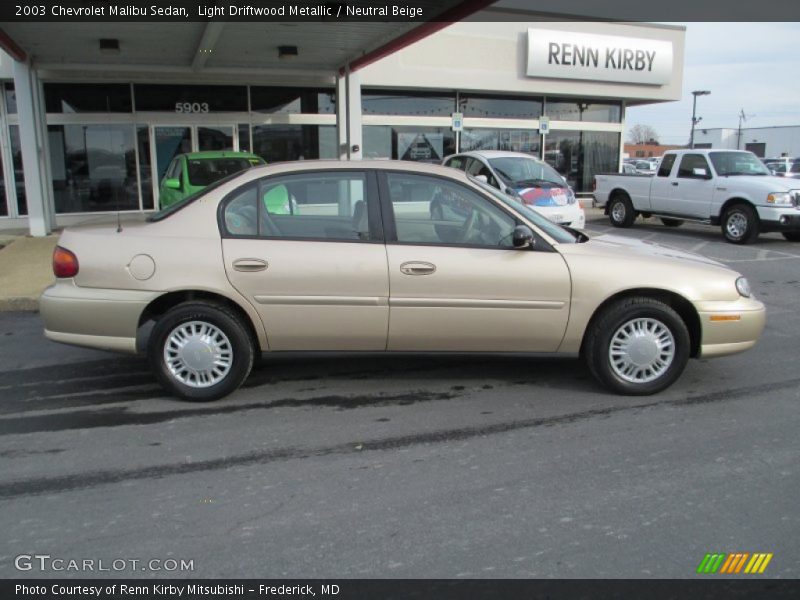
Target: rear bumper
(91, 317)
(730, 327)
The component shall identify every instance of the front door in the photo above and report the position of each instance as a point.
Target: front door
(693, 192)
(457, 284)
(307, 251)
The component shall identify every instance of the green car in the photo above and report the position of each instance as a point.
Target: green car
(189, 173)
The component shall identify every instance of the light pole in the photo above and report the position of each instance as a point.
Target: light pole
(696, 120)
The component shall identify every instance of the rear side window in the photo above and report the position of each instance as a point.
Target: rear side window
(666, 165)
(456, 163)
(208, 170)
(315, 206)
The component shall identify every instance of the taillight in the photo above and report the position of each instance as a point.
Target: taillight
(65, 263)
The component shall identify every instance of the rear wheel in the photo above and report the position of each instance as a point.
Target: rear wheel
(637, 346)
(792, 236)
(740, 224)
(200, 351)
(671, 222)
(620, 211)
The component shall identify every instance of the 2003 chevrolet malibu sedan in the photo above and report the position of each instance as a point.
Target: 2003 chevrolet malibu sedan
(354, 261)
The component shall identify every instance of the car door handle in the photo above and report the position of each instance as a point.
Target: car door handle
(417, 268)
(675, 183)
(249, 265)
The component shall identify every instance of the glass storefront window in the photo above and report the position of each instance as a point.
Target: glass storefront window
(19, 174)
(170, 141)
(190, 99)
(145, 170)
(515, 140)
(292, 101)
(244, 137)
(276, 143)
(87, 97)
(583, 110)
(11, 99)
(94, 168)
(215, 138)
(423, 104)
(579, 155)
(423, 144)
(500, 107)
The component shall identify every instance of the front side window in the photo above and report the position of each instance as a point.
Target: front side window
(318, 206)
(429, 210)
(689, 163)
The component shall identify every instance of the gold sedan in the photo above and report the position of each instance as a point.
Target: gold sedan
(383, 256)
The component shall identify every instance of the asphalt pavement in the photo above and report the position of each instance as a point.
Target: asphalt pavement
(404, 466)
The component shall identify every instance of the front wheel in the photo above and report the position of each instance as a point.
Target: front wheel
(620, 211)
(200, 351)
(740, 224)
(792, 236)
(637, 346)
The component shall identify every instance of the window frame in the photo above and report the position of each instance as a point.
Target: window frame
(374, 217)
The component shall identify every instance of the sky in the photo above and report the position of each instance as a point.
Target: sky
(750, 66)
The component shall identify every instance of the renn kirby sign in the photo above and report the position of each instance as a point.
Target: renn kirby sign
(572, 55)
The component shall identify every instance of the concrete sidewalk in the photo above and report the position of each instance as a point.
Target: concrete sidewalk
(25, 270)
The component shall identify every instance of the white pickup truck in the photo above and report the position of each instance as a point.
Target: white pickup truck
(729, 188)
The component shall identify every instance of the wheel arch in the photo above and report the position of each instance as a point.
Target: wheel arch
(678, 303)
(618, 191)
(736, 200)
(169, 300)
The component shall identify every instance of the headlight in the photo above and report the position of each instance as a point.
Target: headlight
(780, 198)
(743, 287)
(570, 196)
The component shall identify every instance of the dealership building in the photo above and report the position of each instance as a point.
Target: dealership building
(90, 126)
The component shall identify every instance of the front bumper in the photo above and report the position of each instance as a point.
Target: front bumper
(571, 215)
(779, 219)
(730, 327)
(94, 318)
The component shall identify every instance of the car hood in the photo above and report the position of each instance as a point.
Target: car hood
(769, 183)
(623, 247)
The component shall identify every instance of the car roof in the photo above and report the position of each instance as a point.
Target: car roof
(209, 154)
(488, 154)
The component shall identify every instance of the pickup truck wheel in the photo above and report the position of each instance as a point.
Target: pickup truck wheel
(620, 211)
(740, 224)
(792, 236)
(637, 346)
(200, 351)
(671, 222)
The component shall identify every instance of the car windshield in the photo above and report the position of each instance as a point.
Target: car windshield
(183, 202)
(204, 171)
(521, 170)
(737, 163)
(556, 232)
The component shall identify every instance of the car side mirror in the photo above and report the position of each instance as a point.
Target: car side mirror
(172, 184)
(700, 172)
(482, 178)
(523, 237)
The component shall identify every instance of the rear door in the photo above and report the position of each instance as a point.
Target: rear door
(307, 251)
(661, 185)
(456, 282)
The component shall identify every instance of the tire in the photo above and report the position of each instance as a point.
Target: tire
(792, 236)
(660, 351)
(740, 224)
(620, 211)
(206, 328)
(671, 222)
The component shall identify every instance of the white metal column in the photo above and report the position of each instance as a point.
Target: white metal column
(348, 116)
(32, 133)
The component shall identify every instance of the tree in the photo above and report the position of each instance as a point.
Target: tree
(642, 134)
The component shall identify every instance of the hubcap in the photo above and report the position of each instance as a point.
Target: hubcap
(198, 354)
(618, 212)
(736, 225)
(641, 350)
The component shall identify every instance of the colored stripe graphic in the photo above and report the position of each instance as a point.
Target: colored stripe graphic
(734, 563)
(711, 563)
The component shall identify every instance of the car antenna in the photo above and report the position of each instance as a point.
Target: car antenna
(119, 223)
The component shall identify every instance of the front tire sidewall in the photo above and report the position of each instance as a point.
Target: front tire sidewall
(741, 211)
(623, 206)
(228, 323)
(611, 321)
